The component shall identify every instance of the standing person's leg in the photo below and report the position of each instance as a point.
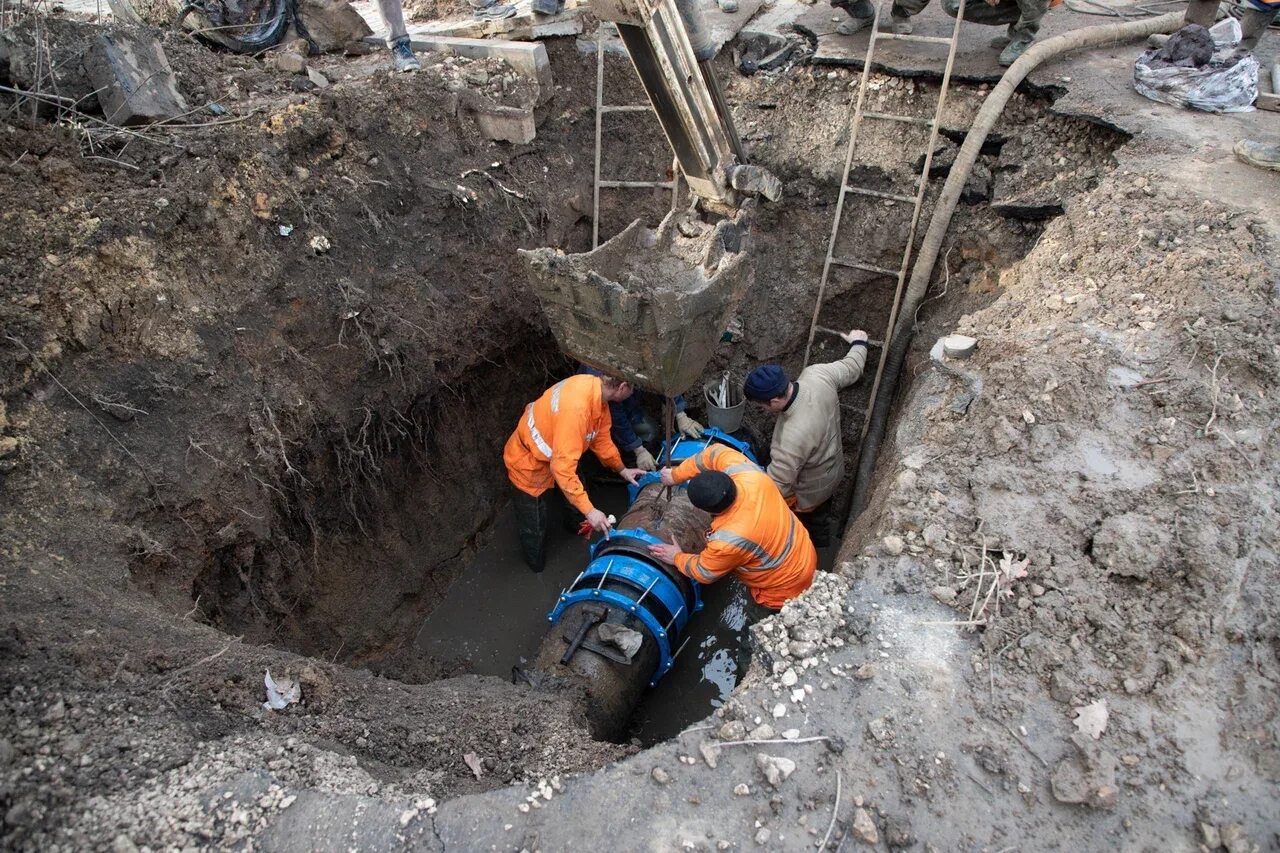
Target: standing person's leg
(1253, 23)
(531, 525)
(1202, 12)
(818, 522)
(402, 58)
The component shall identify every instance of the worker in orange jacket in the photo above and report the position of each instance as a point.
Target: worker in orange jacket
(754, 534)
(554, 431)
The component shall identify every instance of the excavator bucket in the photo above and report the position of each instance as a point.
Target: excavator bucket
(649, 306)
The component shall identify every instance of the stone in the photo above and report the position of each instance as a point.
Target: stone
(789, 678)
(733, 730)
(865, 672)
(779, 711)
(333, 24)
(762, 836)
(944, 594)
(1234, 839)
(958, 346)
(320, 81)
(879, 729)
(764, 731)
(742, 789)
(289, 62)
(8, 446)
(776, 769)
(133, 78)
(1209, 835)
(660, 776)
(893, 545)
(864, 828)
(710, 753)
(123, 844)
(935, 535)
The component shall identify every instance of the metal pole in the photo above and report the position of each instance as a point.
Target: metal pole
(595, 189)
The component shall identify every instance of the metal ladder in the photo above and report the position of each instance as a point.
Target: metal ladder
(601, 110)
(917, 200)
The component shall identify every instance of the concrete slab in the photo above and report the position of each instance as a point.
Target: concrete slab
(524, 26)
(527, 58)
(133, 78)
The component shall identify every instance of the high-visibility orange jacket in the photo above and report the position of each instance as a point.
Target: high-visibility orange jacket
(553, 433)
(758, 537)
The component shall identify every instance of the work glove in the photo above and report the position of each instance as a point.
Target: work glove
(688, 426)
(645, 460)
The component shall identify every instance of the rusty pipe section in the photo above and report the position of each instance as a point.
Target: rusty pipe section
(619, 626)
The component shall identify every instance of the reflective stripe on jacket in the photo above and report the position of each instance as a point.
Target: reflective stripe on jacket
(553, 433)
(758, 538)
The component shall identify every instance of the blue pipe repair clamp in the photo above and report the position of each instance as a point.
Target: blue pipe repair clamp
(650, 595)
(681, 449)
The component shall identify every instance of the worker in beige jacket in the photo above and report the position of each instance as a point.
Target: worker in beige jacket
(807, 454)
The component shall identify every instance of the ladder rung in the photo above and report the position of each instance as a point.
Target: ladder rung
(909, 37)
(858, 265)
(877, 194)
(632, 185)
(926, 122)
(625, 108)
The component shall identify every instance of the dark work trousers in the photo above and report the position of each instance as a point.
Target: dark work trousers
(1253, 21)
(531, 525)
(818, 522)
(1022, 16)
(532, 520)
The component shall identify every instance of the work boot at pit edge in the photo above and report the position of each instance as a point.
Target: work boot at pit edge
(1013, 50)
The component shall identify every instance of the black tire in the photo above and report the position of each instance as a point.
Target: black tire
(256, 31)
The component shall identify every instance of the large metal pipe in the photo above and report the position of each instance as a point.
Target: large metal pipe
(620, 587)
(620, 625)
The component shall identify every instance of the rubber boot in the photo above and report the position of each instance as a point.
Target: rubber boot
(531, 526)
(899, 21)
(1264, 155)
(1014, 49)
(861, 14)
(1253, 23)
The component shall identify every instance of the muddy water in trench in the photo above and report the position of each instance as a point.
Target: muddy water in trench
(495, 615)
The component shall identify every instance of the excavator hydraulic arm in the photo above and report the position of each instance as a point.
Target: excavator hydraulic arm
(672, 51)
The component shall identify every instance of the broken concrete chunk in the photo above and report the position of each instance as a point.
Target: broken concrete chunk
(529, 59)
(864, 828)
(133, 78)
(333, 24)
(289, 62)
(733, 730)
(775, 768)
(501, 123)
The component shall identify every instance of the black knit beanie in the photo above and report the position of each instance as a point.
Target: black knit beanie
(712, 491)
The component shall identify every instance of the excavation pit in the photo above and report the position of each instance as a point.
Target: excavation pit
(312, 481)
